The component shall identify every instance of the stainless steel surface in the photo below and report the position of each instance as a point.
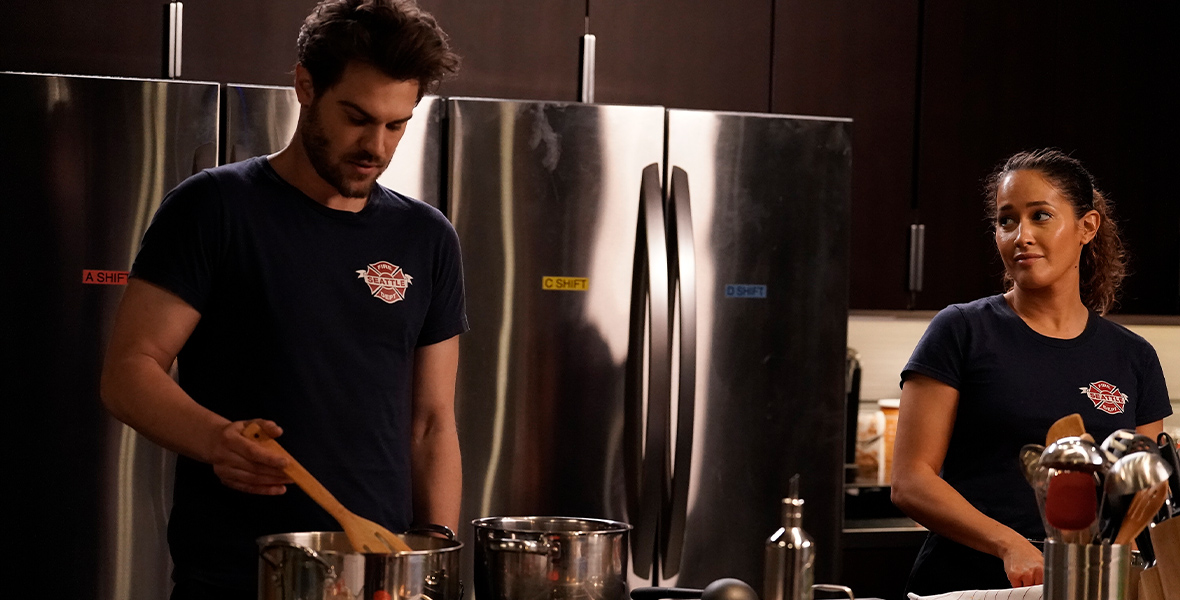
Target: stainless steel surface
(789, 557)
(540, 191)
(1135, 472)
(558, 558)
(173, 51)
(1030, 463)
(586, 84)
(323, 566)
(1086, 571)
(262, 119)
(684, 291)
(1075, 454)
(648, 376)
(84, 162)
(770, 219)
(1122, 442)
(917, 256)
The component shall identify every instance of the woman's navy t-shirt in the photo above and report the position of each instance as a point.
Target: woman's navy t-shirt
(1013, 383)
(310, 317)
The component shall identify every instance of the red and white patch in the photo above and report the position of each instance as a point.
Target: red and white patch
(1106, 397)
(386, 281)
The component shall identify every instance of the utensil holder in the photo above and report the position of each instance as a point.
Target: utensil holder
(1086, 571)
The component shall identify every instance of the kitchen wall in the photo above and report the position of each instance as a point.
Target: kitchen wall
(885, 339)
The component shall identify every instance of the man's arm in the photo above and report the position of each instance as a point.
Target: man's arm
(434, 451)
(151, 327)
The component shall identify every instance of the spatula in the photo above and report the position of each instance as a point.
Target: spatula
(363, 534)
(1069, 425)
(1143, 508)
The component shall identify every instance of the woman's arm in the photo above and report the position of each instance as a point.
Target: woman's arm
(924, 429)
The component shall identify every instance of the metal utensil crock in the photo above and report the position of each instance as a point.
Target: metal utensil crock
(555, 558)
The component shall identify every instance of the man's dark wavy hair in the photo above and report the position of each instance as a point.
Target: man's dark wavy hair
(395, 36)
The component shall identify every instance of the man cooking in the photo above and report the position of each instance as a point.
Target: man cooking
(297, 293)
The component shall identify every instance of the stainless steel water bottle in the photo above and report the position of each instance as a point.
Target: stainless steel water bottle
(790, 555)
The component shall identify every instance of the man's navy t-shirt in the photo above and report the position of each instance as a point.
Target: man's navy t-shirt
(1013, 383)
(309, 317)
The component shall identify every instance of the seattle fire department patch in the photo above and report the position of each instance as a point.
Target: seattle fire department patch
(386, 281)
(1106, 397)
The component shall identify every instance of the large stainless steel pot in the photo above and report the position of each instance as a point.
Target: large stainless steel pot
(323, 566)
(550, 558)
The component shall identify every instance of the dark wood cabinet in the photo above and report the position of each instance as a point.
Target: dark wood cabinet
(858, 59)
(1087, 77)
(521, 49)
(684, 54)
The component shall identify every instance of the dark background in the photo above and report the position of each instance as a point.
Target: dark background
(940, 92)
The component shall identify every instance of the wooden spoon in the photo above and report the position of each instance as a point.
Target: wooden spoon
(363, 534)
(1069, 425)
(1142, 510)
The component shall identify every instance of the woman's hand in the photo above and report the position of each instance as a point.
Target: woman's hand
(1023, 563)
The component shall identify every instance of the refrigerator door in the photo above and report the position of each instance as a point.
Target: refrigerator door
(261, 120)
(770, 220)
(544, 197)
(84, 163)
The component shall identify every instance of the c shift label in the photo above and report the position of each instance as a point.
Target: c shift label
(565, 284)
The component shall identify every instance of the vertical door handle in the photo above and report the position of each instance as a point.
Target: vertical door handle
(917, 256)
(682, 267)
(647, 443)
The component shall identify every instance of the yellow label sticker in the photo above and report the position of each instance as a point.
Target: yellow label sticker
(565, 284)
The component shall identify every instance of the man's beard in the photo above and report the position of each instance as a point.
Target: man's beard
(316, 145)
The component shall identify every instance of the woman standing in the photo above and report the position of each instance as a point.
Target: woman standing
(992, 375)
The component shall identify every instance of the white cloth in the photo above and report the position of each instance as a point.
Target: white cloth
(1032, 592)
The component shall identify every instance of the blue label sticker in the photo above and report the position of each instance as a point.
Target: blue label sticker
(737, 290)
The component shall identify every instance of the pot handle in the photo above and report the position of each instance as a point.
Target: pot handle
(432, 528)
(312, 554)
(828, 587)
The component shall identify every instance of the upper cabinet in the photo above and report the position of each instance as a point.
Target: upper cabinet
(858, 59)
(703, 55)
(1086, 77)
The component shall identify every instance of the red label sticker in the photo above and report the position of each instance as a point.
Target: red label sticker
(386, 281)
(101, 277)
(1106, 397)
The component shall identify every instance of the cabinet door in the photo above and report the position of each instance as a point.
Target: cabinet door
(858, 59)
(519, 49)
(1088, 77)
(80, 37)
(699, 54)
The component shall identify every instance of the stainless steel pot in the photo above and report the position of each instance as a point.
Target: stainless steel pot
(550, 558)
(322, 565)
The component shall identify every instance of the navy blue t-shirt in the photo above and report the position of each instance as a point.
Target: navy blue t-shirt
(1014, 383)
(309, 317)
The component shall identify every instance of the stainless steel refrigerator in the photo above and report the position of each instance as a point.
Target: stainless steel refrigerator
(658, 301)
(84, 162)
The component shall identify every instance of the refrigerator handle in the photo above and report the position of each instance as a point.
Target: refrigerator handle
(682, 267)
(647, 442)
